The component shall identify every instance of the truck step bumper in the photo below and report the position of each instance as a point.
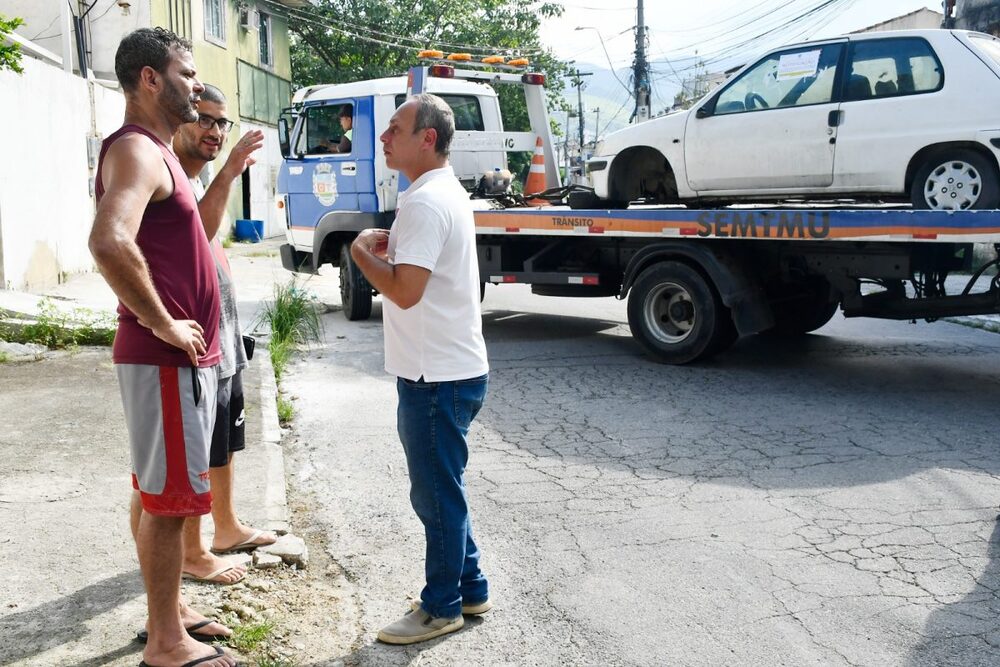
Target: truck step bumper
(296, 261)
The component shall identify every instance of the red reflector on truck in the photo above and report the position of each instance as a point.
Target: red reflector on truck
(925, 236)
(511, 230)
(510, 279)
(441, 71)
(591, 280)
(689, 231)
(596, 230)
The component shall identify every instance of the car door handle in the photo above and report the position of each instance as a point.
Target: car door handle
(835, 118)
(348, 169)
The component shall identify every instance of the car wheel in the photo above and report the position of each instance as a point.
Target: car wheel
(579, 199)
(958, 180)
(355, 292)
(675, 315)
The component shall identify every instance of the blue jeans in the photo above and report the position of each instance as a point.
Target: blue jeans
(433, 420)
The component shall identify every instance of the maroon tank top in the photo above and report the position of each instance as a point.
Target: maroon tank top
(172, 239)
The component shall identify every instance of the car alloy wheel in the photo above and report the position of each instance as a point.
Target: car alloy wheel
(953, 186)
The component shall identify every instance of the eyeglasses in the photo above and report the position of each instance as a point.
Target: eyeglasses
(206, 122)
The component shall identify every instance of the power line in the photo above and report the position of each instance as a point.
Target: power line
(364, 32)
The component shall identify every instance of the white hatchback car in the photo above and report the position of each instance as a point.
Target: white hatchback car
(911, 114)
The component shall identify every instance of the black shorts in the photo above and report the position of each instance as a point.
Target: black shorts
(228, 434)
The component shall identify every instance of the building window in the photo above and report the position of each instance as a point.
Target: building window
(215, 21)
(264, 34)
(179, 17)
(262, 94)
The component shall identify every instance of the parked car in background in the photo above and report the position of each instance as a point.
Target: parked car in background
(900, 115)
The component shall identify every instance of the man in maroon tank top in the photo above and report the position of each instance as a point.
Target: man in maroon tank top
(149, 242)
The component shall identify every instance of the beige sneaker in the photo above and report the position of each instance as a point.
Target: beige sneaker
(467, 609)
(418, 626)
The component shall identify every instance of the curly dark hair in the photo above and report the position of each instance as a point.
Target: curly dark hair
(145, 47)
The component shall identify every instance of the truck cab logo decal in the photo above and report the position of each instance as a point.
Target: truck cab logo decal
(325, 184)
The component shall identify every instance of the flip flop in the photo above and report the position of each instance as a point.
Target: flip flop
(142, 636)
(246, 545)
(211, 578)
(199, 661)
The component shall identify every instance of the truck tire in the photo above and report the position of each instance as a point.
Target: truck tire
(805, 312)
(581, 199)
(956, 180)
(355, 292)
(802, 317)
(675, 314)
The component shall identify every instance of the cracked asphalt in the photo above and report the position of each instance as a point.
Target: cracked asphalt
(830, 500)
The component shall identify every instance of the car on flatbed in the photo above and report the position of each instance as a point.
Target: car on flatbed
(900, 115)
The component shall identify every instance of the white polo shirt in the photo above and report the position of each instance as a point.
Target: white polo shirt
(441, 337)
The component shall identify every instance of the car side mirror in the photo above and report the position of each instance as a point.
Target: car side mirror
(283, 141)
(708, 108)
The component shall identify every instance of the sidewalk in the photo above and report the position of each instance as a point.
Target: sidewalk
(72, 593)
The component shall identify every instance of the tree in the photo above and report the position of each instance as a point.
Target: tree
(335, 41)
(10, 56)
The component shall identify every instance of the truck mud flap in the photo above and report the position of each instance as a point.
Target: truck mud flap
(296, 261)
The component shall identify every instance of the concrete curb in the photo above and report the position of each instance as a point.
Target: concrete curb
(275, 498)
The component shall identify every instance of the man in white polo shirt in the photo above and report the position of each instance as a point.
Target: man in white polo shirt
(427, 271)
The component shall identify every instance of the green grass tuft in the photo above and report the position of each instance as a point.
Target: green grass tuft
(248, 638)
(267, 661)
(293, 315)
(294, 319)
(285, 410)
(57, 329)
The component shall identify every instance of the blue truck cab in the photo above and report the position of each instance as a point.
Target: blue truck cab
(328, 197)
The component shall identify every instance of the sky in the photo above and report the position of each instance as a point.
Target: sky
(674, 25)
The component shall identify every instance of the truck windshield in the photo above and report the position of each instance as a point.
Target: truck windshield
(988, 46)
(468, 115)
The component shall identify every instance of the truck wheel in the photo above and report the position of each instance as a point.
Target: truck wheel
(675, 315)
(957, 180)
(355, 292)
(804, 312)
(802, 317)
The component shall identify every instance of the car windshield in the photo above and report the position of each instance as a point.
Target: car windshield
(988, 46)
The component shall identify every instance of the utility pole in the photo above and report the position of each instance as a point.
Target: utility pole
(597, 123)
(578, 82)
(640, 69)
(949, 14)
(81, 41)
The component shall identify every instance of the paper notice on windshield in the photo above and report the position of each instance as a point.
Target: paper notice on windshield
(798, 65)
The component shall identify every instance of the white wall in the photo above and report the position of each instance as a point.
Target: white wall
(46, 206)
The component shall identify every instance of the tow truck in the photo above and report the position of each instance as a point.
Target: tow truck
(695, 279)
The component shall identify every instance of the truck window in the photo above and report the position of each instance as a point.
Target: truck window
(468, 114)
(322, 131)
(890, 67)
(794, 78)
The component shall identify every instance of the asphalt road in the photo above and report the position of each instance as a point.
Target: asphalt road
(829, 500)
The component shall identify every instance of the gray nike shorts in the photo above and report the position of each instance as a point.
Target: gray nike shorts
(170, 413)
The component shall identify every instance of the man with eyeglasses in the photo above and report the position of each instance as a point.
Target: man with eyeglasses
(197, 144)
